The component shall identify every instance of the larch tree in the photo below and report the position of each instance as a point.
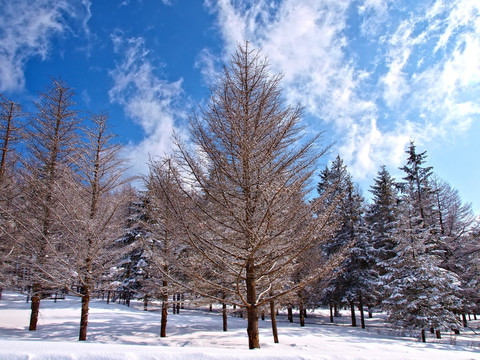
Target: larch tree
(244, 181)
(457, 228)
(10, 114)
(50, 142)
(94, 203)
(467, 254)
(162, 231)
(10, 117)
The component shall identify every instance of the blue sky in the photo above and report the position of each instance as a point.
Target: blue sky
(373, 74)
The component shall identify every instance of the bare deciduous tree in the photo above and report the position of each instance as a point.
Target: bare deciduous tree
(10, 112)
(93, 208)
(244, 184)
(9, 132)
(51, 139)
(162, 230)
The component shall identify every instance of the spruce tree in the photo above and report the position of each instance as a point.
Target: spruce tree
(355, 276)
(382, 215)
(420, 294)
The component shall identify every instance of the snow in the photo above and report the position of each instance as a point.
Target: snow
(118, 332)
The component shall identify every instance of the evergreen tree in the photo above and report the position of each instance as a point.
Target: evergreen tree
(382, 219)
(355, 276)
(382, 215)
(420, 294)
(336, 189)
(136, 273)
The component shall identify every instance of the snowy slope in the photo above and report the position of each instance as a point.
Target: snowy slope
(119, 332)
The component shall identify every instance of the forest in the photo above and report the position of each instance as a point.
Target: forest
(239, 213)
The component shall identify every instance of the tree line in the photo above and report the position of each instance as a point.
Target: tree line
(228, 215)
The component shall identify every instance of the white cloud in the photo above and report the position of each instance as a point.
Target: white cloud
(423, 83)
(208, 64)
(374, 14)
(146, 98)
(26, 29)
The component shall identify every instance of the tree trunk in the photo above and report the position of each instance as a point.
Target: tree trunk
(145, 303)
(301, 313)
(274, 321)
(423, 335)
(252, 309)
(335, 308)
(290, 313)
(7, 136)
(352, 311)
(362, 315)
(84, 315)
(252, 328)
(438, 334)
(163, 322)
(331, 312)
(36, 297)
(108, 297)
(224, 315)
(1, 290)
(464, 320)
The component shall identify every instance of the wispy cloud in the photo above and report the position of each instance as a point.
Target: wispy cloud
(419, 80)
(152, 102)
(26, 30)
(209, 65)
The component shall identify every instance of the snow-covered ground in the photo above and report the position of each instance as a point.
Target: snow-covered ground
(119, 332)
